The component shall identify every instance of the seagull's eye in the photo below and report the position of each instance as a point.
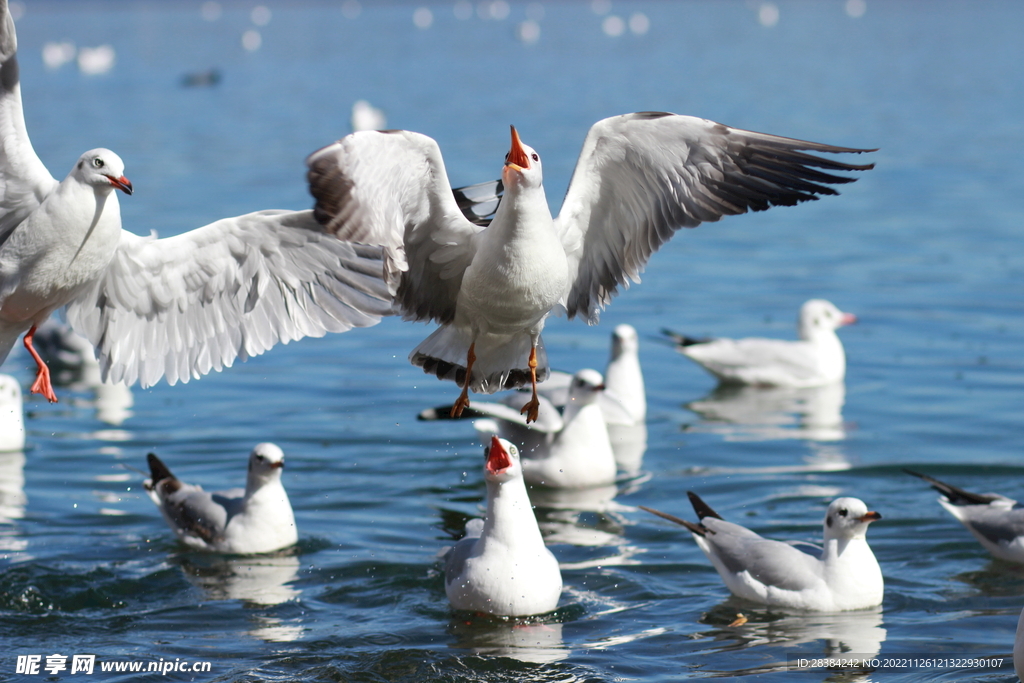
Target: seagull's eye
(535, 157)
(260, 458)
(507, 155)
(97, 162)
(513, 451)
(842, 512)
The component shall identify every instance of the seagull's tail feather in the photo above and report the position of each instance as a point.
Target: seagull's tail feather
(956, 496)
(682, 339)
(501, 362)
(694, 528)
(158, 471)
(700, 507)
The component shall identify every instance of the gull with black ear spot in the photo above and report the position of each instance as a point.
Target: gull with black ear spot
(256, 519)
(841, 575)
(816, 359)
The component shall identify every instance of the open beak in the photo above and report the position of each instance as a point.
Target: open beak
(870, 517)
(848, 319)
(121, 183)
(517, 158)
(498, 459)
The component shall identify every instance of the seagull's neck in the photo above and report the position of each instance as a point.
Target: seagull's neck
(510, 519)
(523, 214)
(625, 380)
(836, 548)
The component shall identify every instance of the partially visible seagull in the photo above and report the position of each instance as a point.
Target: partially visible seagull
(996, 521)
(502, 566)
(12, 420)
(256, 519)
(816, 359)
(177, 307)
(365, 116)
(639, 178)
(842, 575)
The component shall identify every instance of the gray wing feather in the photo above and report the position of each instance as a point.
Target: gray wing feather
(390, 188)
(773, 563)
(998, 526)
(455, 559)
(641, 177)
(24, 181)
(182, 306)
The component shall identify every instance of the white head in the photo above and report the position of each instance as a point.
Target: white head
(265, 464)
(624, 340)
(502, 461)
(585, 387)
(522, 165)
(102, 169)
(848, 518)
(818, 315)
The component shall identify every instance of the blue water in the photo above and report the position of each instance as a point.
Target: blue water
(925, 248)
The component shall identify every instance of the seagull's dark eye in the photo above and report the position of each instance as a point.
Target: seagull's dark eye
(507, 155)
(260, 458)
(535, 157)
(97, 162)
(513, 451)
(842, 512)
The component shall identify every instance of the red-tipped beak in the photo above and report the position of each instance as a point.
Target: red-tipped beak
(848, 319)
(121, 183)
(870, 517)
(498, 459)
(517, 155)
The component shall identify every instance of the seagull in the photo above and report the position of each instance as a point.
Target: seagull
(569, 450)
(502, 566)
(843, 575)
(996, 521)
(639, 178)
(817, 359)
(12, 420)
(256, 519)
(176, 307)
(624, 400)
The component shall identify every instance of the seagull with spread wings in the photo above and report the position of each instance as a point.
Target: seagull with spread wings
(639, 178)
(176, 307)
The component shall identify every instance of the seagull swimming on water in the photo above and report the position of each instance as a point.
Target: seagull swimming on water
(995, 520)
(816, 359)
(176, 307)
(639, 178)
(256, 519)
(502, 566)
(842, 575)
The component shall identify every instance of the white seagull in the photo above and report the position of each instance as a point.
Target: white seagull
(639, 178)
(502, 566)
(996, 521)
(843, 575)
(176, 307)
(567, 450)
(816, 359)
(256, 519)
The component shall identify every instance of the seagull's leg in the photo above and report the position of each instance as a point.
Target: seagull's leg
(42, 384)
(462, 402)
(533, 405)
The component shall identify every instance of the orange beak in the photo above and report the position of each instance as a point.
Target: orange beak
(497, 459)
(870, 517)
(121, 183)
(848, 319)
(517, 155)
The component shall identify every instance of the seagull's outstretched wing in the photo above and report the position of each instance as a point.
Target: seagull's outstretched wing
(641, 177)
(182, 306)
(24, 181)
(390, 188)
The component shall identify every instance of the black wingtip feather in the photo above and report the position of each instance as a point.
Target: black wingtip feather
(693, 528)
(700, 507)
(682, 339)
(158, 471)
(956, 496)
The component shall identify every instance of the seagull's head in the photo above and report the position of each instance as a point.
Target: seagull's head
(624, 340)
(818, 315)
(585, 387)
(103, 169)
(522, 165)
(848, 518)
(502, 461)
(265, 463)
